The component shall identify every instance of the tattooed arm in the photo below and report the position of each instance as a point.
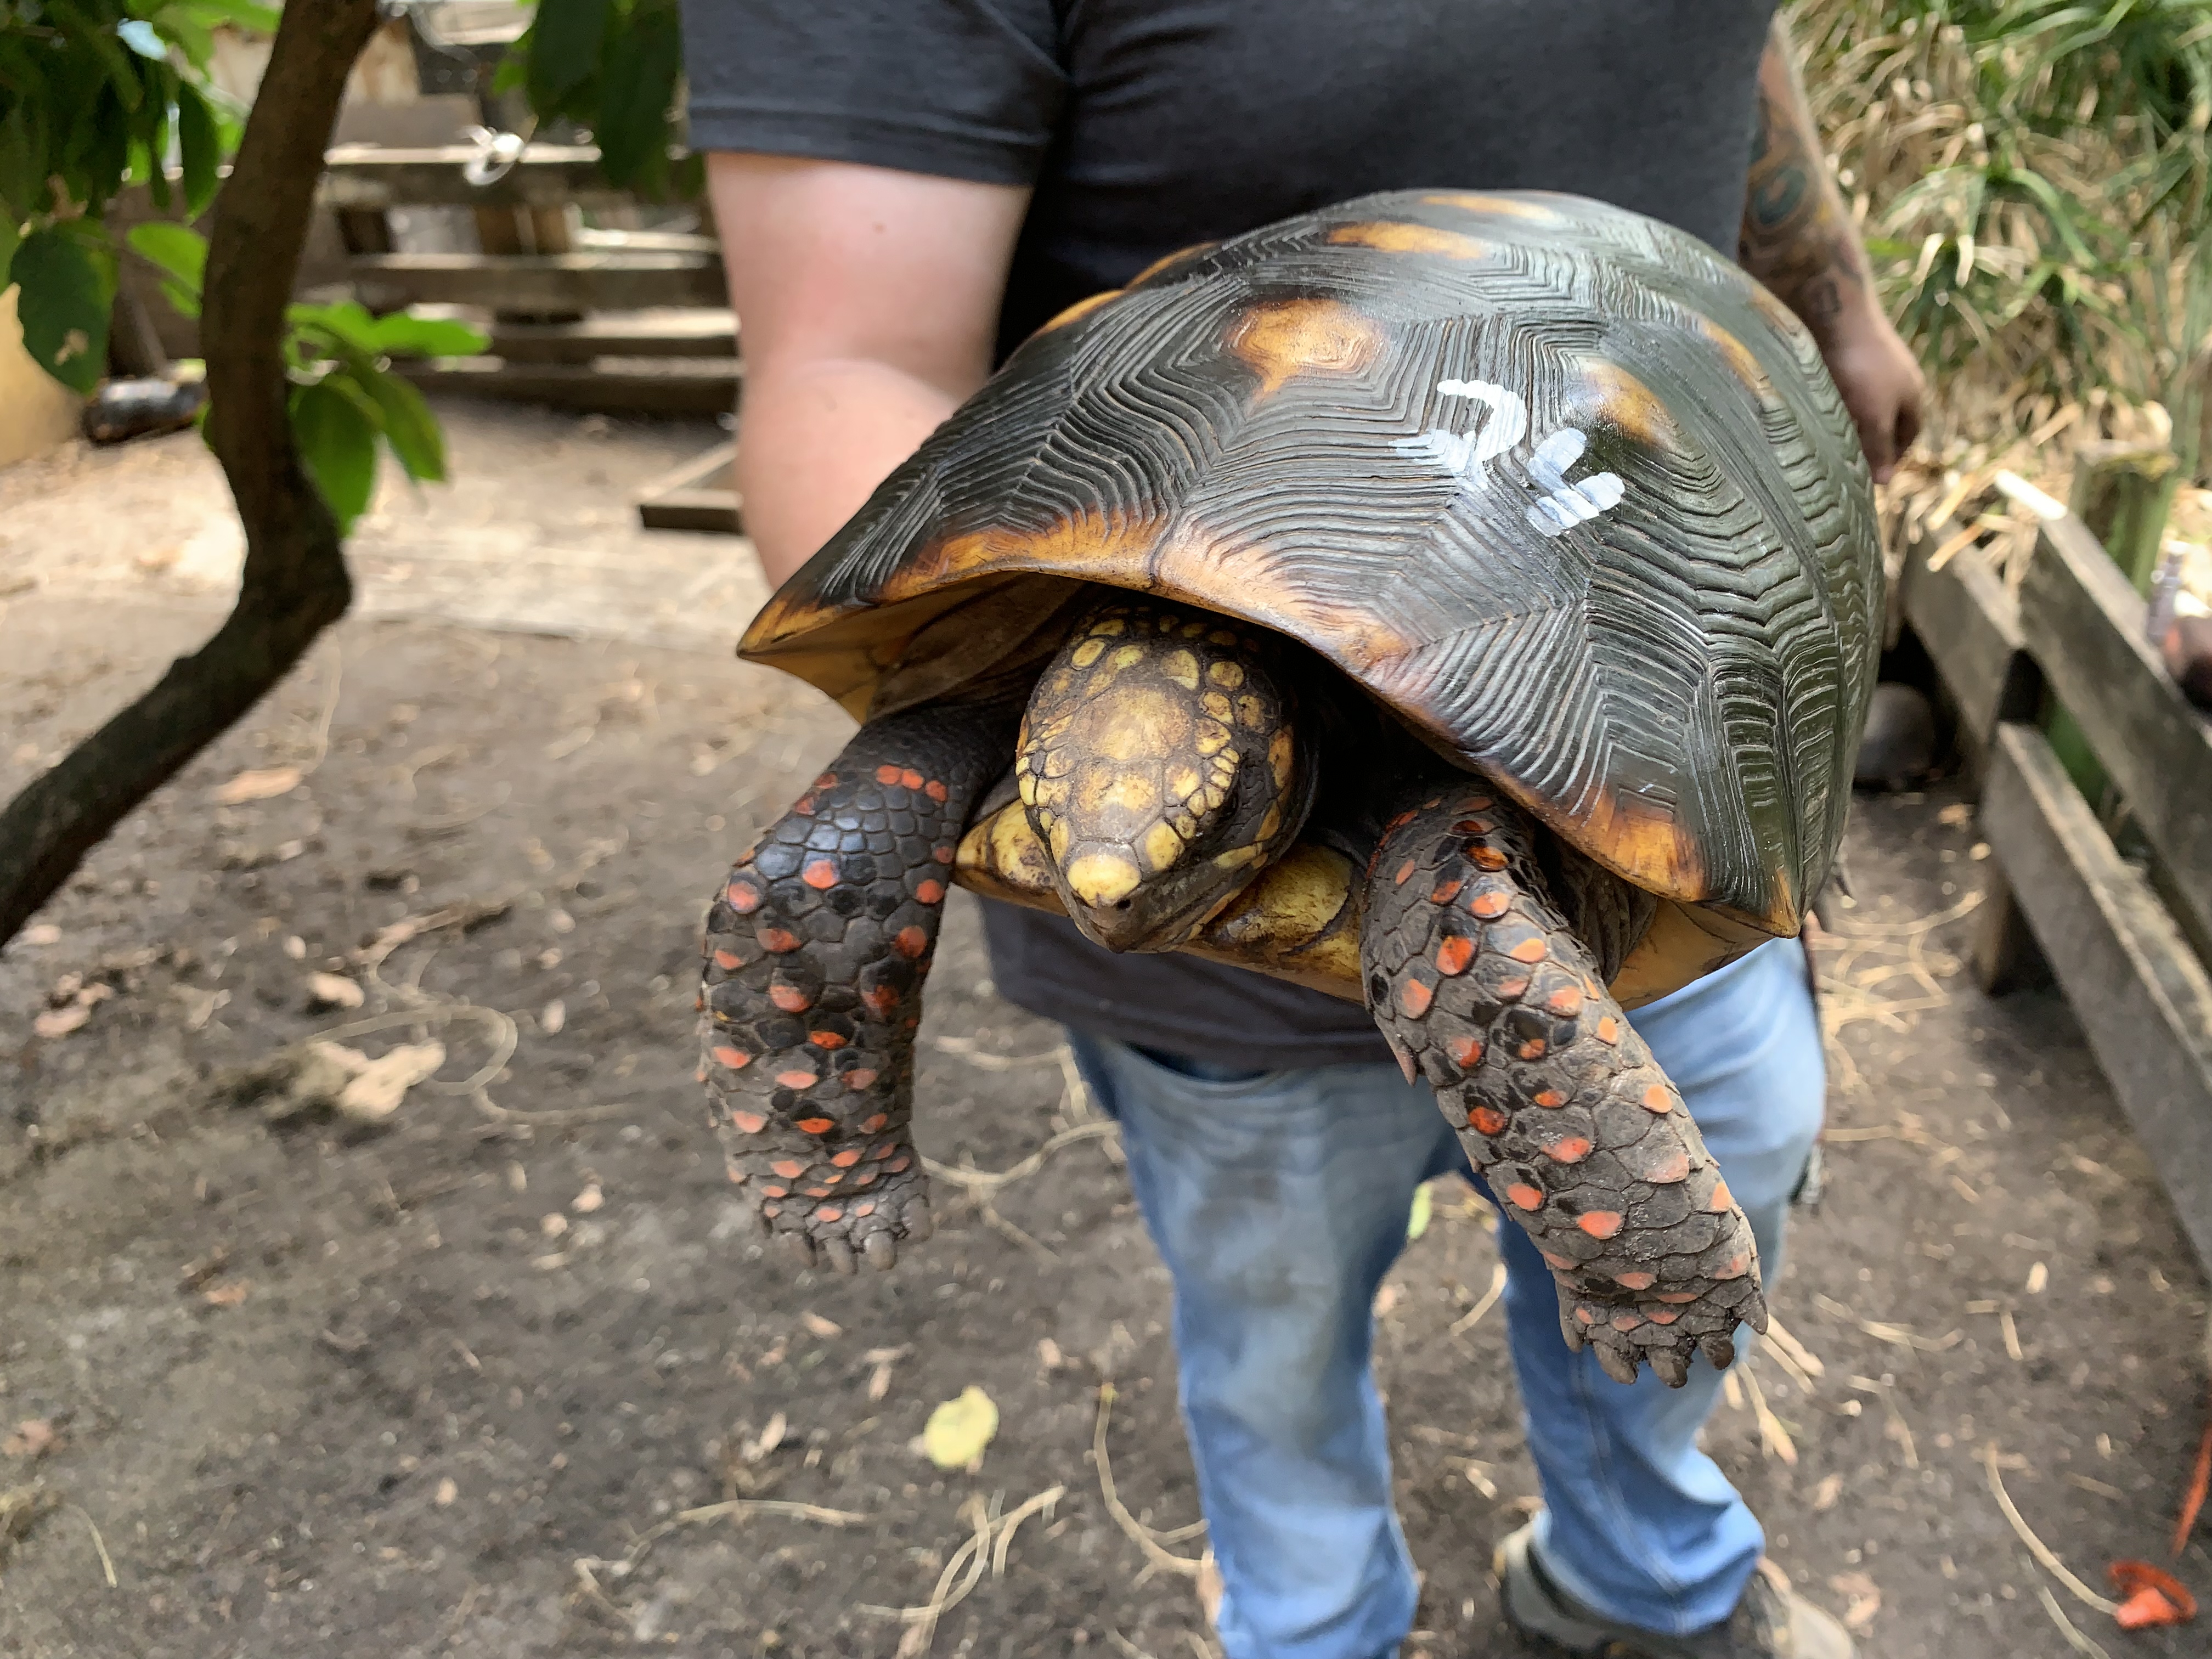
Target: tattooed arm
(1798, 239)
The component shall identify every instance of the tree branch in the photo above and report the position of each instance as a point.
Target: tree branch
(294, 583)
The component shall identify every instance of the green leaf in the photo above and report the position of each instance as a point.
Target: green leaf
(246, 14)
(565, 45)
(199, 145)
(179, 253)
(409, 426)
(105, 46)
(337, 442)
(63, 306)
(10, 237)
(345, 322)
(638, 86)
(401, 336)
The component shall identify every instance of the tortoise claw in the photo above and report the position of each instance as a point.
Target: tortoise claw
(1620, 1367)
(1719, 1350)
(916, 1219)
(1570, 1333)
(881, 1249)
(1672, 1369)
(798, 1246)
(836, 1255)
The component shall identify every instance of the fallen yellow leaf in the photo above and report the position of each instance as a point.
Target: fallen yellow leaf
(376, 1094)
(333, 991)
(959, 1430)
(265, 784)
(1423, 1206)
(60, 1022)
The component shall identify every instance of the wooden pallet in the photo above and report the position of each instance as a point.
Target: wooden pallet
(697, 495)
(2125, 940)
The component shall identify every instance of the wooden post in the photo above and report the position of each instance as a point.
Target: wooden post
(2123, 491)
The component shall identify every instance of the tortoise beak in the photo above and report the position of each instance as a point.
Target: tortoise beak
(1096, 889)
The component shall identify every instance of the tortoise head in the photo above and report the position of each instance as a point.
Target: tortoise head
(1160, 766)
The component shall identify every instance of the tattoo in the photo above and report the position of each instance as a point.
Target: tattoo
(1795, 236)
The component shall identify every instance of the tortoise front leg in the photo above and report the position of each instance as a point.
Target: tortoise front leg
(817, 946)
(1477, 980)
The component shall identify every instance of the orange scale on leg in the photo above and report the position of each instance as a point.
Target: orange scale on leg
(750, 1123)
(1445, 891)
(898, 1165)
(942, 855)
(1534, 1048)
(1523, 1196)
(910, 778)
(883, 1152)
(1551, 1097)
(846, 1160)
(1601, 1224)
(1666, 1318)
(829, 1213)
(1454, 955)
(1489, 906)
(735, 1059)
(1405, 873)
(1608, 1031)
(789, 1167)
(1465, 1052)
(817, 1126)
(935, 790)
(744, 899)
(1487, 858)
(887, 775)
(859, 1077)
(775, 1192)
(1573, 1148)
(1489, 1120)
(825, 1039)
(929, 892)
(1530, 951)
(790, 998)
(1722, 1200)
(820, 874)
(910, 942)
(796, 1079)
(867, 1207)
(1415, 997)
(1567, 1000)
(781, 940)
(1659, 1099)
(817, 1192)
(1637, 1280)
(728, 961)
(879, 1120)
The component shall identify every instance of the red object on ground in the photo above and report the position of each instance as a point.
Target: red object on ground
(2199, 1480)
(2150, 1596)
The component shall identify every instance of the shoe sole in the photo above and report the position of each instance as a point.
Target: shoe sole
(1595, 1644)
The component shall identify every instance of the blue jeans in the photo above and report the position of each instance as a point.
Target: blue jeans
(1279, 1202)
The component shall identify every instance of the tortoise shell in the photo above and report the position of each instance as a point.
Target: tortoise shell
(1569, 493)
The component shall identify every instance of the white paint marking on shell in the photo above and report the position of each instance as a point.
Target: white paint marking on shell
(1466, 455)
(1576, 503)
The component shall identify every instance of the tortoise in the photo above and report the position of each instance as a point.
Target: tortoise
(1466, 604)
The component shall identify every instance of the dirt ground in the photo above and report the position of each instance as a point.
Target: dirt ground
(475, 1381)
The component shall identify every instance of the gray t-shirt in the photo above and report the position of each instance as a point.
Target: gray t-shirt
(1146, 125)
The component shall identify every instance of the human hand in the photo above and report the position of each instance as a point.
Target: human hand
(1881, 383)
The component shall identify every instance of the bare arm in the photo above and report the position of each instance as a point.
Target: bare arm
(1798, 238)
(867, 301)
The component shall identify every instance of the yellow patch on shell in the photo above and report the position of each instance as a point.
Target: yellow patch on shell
(1251, 713)
(1474, 202)
(1026, 783)
(1215, 704)
(1145, 723)
(1056, 838)
(1236, 857)
(1124, 655)
(1610, 394)
(1270, 822)
(1211, 737)
(1106, 626)
(1080, 309)
(1745, 366)
(1279, 339)
(1101, 878)
(1087, 652)
(1184, 783)
(1281, 751)
(1181, 667)
(1162, 847)
(1392, 237)
(1132, 792)
(1230, 675)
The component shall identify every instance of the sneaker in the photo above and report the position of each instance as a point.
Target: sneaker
(1770, 1622)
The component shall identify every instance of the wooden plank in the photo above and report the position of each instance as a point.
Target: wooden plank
(2144, 999)
(1970, 624)
(676, 386)
(698, 496)
(2085, 626)
(386, 176)
(547, 282)
(692, 331)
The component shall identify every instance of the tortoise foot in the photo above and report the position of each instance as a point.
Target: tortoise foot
(817, 944)
(1479, 984)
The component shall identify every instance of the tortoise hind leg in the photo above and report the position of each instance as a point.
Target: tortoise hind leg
(817, 946)
(1478, 980)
